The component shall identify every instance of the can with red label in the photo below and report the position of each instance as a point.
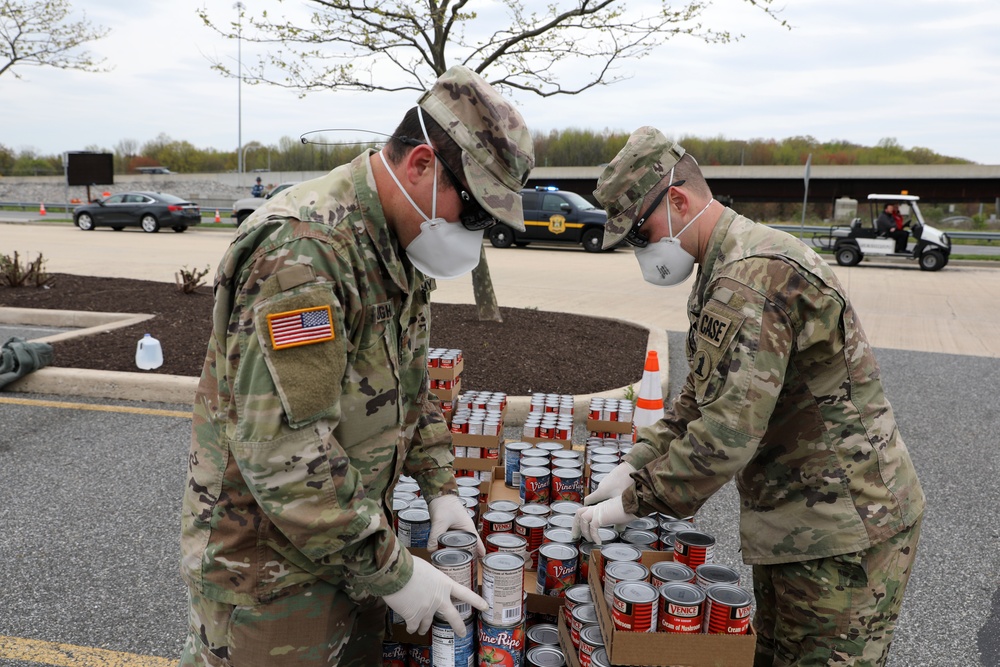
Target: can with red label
(542, 634)
(565, 507)
(535, 485)
(681, 608)
(727, 610)
(393, 654)
(567, 484)
(503, 589)
(497, 522)
(669, 572)
(618, 572)
(575, 596)
(591, 639)
(582, 616)
(558, 534)
(557, 566)
(507, 543)
(617, 552)
(544, 656)
(646, 540)
(635, 606)
(599, 658)
(501, 645)
(693, 548)
(532, 529)
(502, 506)
(535, 509)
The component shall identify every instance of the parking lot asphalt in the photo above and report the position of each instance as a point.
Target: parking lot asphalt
(91, 497)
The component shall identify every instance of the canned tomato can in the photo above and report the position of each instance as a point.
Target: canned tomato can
(693, 548)
(544, 656)
(503, 588)
(532, 529)
(557, 565)
(599, 658)
(727, 610)
(622, 571)
(611, 553)
(681, 608)
(575, 596)
(497, 522)
(560, 535)
(419, 655)
(635, 607)
(512, 463)
(567, 484)
(582, 616)
(560, 521)
(669, 572)
(591, 639)
(460, 566)
(646, 540)
(535, 484)
(572, 464)
(393, 654)
(543, 634)
(501, 645)
(450, 650)
(710, 573)
(507, 543)
(414, 527)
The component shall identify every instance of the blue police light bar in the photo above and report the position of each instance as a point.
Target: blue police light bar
(548, 188)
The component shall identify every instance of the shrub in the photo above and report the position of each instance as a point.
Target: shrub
(189, 280)
(14, 273)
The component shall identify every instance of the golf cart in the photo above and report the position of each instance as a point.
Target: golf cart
(929, 246)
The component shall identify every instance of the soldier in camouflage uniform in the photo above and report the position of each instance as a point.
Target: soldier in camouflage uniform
(314, 397)
(784, 395)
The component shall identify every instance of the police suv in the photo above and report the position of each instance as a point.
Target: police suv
(552, 215)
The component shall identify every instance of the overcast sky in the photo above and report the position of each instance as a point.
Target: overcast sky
(924, 72)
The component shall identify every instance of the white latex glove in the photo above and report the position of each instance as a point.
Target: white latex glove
(448, 513)
(619, 479)
(587, 520)
(428, 592)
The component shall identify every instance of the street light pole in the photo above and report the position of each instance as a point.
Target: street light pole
(239, 6)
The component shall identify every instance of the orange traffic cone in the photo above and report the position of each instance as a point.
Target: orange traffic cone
(41, 209)
(217, 218)
(649, 406)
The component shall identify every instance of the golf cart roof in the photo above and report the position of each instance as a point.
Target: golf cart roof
(898, 197)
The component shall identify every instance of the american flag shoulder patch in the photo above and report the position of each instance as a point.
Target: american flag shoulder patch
(304, 326)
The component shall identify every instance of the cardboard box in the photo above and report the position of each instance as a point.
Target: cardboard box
(601, 426)
(447, 394)
(567, 444)
(566, 643)
(481, 464)
(453, 373)
(664, 649)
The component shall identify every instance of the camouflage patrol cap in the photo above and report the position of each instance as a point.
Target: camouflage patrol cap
(646, 159)
(497, 150)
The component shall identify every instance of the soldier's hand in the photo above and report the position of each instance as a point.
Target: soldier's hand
(428, 592)
(587, 520)
(616, 481)
(448, 513)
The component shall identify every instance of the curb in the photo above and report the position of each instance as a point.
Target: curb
(180, 389)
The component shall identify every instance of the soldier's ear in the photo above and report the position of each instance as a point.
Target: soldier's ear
(419, 163)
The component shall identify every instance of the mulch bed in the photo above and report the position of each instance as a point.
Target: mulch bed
(530, 351)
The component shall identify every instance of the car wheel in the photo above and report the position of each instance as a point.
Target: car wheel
(932, 260)
(85, 222)
(117, 228)
(501, 236)
(149, 223)
(848, 256)
(179, 228)
(593, 239)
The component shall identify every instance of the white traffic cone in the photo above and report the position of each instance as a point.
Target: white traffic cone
(649, 404)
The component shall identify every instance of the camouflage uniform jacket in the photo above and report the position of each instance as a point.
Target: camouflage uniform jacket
(783, 393)
(295, 450)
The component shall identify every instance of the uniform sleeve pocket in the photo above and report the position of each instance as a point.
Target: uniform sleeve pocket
(301, 336)
(715, 332)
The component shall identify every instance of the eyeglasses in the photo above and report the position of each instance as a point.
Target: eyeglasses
(473, 216)
(634, 237)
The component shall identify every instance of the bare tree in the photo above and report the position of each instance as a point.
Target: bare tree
(394, 45)
(38, 32)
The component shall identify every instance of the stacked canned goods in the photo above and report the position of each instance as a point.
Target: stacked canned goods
(478, 413)
(550, 416)
(445, 385)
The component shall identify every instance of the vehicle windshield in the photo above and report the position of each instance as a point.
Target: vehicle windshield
(578, 201)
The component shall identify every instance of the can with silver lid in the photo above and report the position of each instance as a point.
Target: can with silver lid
(669, 572)
(459, 565)
(557, 567)
(542, 634)
(591, 639)
(414, 527)
(681, 608)
(635, 607)
(503, 588)
(620, 571)
(545, 656)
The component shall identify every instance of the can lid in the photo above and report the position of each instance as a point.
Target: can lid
(620, 552)
(695, 538)
(670, 571)
(585, 613)
(545, 634)
(641, 537)
(558, 550)
(579, 594)
(567, 473)
(451, 557)
(561, 521)
(599, 658)
(591, 634)
(642, 523)
(517, 446)
(531, 521)
(414, 515)
(497, 516)
(535, 472)
(503, 560)
(545, 656)
(717, 574)
(626, 570)
(507, 540)
(732, 596)
(682, 593)
(568, 507)
(536, 509)
(560, 536)
(636, 591)
(459, 539)
(503, 506)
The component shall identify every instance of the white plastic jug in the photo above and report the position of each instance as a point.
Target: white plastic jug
(148, 353)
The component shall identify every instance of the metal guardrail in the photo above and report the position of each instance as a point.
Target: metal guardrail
(952, 234)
